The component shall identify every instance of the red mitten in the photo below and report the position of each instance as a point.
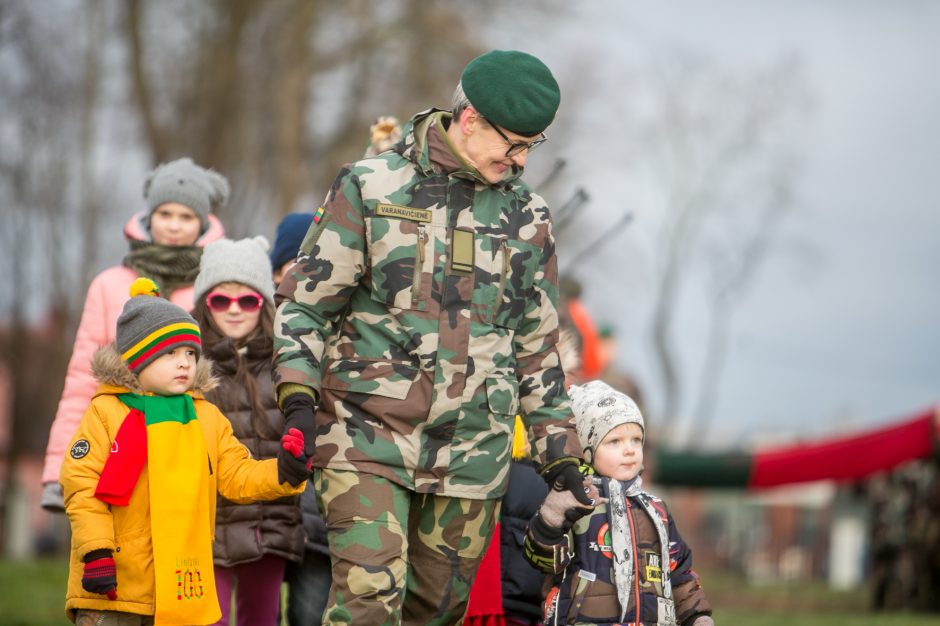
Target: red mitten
(292, 466)
(100, 575)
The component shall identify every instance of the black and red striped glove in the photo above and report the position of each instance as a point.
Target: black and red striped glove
(293, 465)
(100, 575)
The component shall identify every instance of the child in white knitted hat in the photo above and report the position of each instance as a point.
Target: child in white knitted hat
(253, 542)
(143, 470)
(622, 561)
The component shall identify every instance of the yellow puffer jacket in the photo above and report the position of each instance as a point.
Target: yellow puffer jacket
(125, 530)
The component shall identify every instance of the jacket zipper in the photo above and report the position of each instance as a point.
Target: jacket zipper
(636, 563)
(504, 275)
(419, 266)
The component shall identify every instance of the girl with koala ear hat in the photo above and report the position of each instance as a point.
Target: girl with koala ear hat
(166, 241)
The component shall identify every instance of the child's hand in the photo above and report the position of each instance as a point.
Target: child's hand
(703, 620)
(293, 466)
(100, 575)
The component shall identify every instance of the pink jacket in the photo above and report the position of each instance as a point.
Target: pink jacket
(103, 304)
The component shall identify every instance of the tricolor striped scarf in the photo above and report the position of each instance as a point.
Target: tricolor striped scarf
(164, 433)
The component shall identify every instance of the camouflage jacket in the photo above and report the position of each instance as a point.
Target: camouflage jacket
(422, 309)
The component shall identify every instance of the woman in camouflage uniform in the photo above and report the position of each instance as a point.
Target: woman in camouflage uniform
(420, 318)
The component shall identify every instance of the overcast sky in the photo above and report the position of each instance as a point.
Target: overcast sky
(852, 339)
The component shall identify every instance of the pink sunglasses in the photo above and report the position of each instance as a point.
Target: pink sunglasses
(247, 302)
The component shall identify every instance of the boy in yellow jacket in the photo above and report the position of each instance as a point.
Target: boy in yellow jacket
(142, 472)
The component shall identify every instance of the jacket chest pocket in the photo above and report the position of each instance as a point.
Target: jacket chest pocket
(505, 274)
(399, 262)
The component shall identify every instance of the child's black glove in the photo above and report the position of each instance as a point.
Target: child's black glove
(293, 466)
(565, 474)
(100, 575)
(299, 410)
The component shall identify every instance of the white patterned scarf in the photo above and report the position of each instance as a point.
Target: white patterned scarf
(622, 543)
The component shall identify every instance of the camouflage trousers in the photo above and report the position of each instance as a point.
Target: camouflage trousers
(399, 557)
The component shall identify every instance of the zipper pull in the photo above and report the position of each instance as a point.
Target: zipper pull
(422, 239)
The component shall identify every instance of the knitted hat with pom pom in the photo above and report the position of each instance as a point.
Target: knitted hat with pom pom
(150, 326)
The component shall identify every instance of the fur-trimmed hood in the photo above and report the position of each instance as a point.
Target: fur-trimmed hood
(109, 369)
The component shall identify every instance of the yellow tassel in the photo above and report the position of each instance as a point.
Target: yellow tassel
(520, 440)
(144, 286)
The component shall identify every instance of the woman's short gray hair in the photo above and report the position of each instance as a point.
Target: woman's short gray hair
(459, 101)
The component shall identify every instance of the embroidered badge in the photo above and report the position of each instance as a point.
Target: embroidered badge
(654, 567)
(318, 215)
(80, 448)
(403, 212)
(602, 544)
(189, 584)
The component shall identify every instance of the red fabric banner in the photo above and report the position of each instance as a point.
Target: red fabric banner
(846, 458)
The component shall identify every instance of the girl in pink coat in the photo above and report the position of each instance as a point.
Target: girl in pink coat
(166, 244)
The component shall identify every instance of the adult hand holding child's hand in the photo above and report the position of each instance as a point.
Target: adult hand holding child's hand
(299, 411)
(561, 510)
(293, 465)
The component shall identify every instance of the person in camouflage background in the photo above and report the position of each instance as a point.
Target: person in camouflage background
(420, 318)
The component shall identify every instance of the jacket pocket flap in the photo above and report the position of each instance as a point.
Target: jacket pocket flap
(390, 379)
(502, 393)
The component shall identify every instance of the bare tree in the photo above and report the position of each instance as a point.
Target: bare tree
(278, 95)
(50, 210)
(718, 144)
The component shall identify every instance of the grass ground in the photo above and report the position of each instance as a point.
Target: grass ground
(32, 593)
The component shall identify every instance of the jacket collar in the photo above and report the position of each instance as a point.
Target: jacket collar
(426, 144)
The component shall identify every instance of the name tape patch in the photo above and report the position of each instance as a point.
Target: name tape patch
(403, 212)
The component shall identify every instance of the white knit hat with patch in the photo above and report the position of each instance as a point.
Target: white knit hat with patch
(598, 408)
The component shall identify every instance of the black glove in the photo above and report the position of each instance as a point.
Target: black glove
(100, 575)
(299, 410)
(293, 466)
(565, 474)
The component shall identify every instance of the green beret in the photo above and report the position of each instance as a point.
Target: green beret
(512, 89)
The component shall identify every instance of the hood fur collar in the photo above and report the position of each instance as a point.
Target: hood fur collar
(108, 368)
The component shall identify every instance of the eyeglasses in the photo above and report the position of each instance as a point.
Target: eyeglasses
(247, 302)
(517, 147)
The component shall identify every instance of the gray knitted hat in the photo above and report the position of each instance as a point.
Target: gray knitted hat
(244, 261)
(150, 326)
(598, 408)
(182, 181)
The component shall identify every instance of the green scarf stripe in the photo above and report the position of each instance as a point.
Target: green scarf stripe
(163, 337)
(159, 409)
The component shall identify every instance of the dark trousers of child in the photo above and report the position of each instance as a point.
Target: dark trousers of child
(257, 587)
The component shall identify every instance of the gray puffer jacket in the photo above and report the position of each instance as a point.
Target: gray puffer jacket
(246, 532)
